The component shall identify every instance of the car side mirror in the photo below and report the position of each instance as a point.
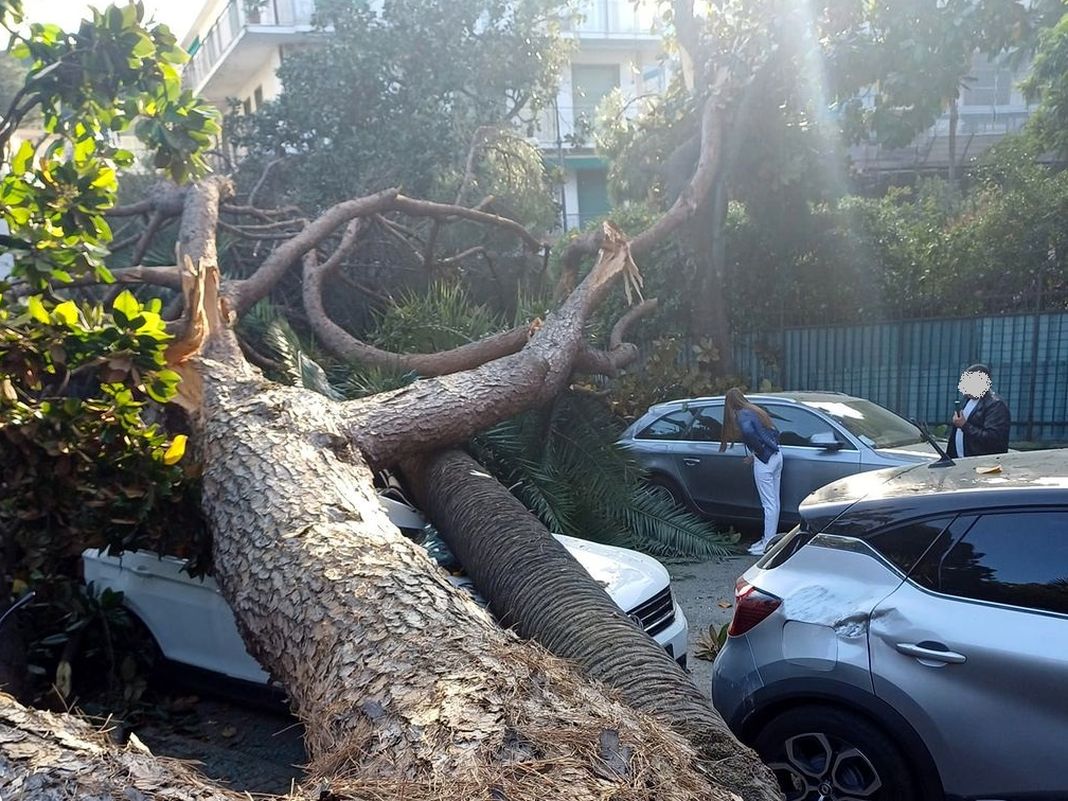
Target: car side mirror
(825, 440)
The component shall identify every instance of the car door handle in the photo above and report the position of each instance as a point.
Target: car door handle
(691, 461)
(933, 654)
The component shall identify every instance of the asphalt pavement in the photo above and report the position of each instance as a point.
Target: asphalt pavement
(705, 591)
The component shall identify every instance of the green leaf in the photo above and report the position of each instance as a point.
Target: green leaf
(22, 159)
(126, 305)
(37, 309)
(67, 311)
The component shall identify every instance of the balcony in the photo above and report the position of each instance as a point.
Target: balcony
(613, 20)
(245, 42)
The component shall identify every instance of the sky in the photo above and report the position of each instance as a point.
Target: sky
(68, 13)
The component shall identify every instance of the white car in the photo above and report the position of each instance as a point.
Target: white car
(193, 624)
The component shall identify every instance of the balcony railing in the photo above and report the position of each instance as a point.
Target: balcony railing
(232, 22)
(615, 17)
(572, 125)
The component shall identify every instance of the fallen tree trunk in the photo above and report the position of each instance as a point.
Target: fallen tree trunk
(533, 584)
(398, 677)
(406, 687)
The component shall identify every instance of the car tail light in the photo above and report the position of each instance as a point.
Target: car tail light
(751, 606)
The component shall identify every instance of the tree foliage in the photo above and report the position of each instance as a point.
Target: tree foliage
(395, 96)
(84, 458)
(1048, 83)
(928, 250)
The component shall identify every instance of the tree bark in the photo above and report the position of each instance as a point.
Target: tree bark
(534, 585)
(406, 687)
(708, 234)
(954, 116)
(398, 676)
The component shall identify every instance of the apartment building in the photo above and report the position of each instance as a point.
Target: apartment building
(238, 45)
(991, 106)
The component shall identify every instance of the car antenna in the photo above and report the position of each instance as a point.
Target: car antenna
(944, 460)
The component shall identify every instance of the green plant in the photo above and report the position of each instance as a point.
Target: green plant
(710, 643)
(564, 465)
(441, 318)
(668, 372)
(82, 462)
(85, 458)
(88, 642)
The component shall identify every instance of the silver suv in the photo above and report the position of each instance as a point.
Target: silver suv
(909, 639)
(824, 436)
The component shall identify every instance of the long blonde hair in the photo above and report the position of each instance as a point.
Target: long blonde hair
(735, 402)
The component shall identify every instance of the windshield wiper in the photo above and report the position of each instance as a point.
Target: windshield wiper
(944, 460)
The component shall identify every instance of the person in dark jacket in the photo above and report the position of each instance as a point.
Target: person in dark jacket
(981, 427)
(748, 422)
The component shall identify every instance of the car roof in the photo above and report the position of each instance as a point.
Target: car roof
(1023, 478)
(791, 397)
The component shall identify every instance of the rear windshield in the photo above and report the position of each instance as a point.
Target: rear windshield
(785, 547)
(871, 423)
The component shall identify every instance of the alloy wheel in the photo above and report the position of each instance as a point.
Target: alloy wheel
(816, 767)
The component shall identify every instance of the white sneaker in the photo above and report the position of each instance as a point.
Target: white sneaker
(757, 548)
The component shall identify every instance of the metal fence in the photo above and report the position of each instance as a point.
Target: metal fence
(913, 366)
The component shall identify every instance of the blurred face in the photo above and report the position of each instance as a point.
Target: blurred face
(974, 384)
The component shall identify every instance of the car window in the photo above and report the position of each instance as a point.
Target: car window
(1018, 558)
(672, 425)
(870, 422)
(797, 426)
(707, 424)
(903, 545)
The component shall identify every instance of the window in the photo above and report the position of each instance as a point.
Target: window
(671, 426)
(707, 424)
(247, 105)
(903, 545)
(258, 94)
(592, 187)
(590, 83)
(987, 84)
(1018, 558)
(797, 426)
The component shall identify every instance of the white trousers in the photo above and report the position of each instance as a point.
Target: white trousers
(768, 477)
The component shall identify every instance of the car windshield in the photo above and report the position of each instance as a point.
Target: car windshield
(870, 422)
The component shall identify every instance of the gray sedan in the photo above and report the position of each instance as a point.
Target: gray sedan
(824, 436)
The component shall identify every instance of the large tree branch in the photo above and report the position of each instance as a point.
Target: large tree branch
(244, 294)
(685, 205)
(143, 244)
(619, 353)
(343, 345)
(450, 409)
(263, 179)
(446, 211)
(169, 277)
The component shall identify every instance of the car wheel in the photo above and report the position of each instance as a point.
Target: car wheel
(827, 754)
(666, 490)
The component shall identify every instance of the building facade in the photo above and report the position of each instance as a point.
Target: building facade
(237, 46)
(991, 106)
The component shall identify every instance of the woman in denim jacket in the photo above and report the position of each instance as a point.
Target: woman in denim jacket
(748, 422)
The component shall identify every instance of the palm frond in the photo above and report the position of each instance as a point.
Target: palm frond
(565, 466)
(368, 381)
(665, 530)
(551, 496)
(441, 318)
(298, 367)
